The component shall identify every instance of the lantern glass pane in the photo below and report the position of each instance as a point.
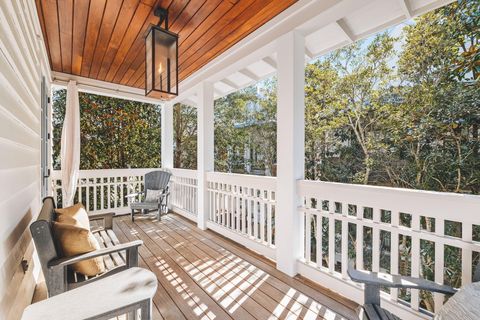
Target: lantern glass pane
(165, 67)
(148, 62)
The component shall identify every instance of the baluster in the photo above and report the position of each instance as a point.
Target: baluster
(394, 251)
(79, 190)
(376, 241)
(228, 203)
(255, 214)
(222, 204)
(87, 190)
(210, 201)
(95, 200)
(262, 215)
(466, 254)
(195, 191)
(415, 254)
(359, 240)
(217, 204)
(319, 233)
(269, 218)
(237, 208)
(115, 196)
(331, 236)
(439, 264)
(122, 200)
(109, 196)
(102, 191)
(249, 214)
(344, 240)
(244, 210)
(220, 213)
(190, 195)
(308, 235)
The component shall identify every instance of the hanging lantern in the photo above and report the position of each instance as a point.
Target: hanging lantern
(161, 60)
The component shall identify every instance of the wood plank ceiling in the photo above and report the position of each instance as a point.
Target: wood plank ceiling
(104, 39)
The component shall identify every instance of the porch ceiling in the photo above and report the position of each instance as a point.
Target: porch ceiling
(103, 40)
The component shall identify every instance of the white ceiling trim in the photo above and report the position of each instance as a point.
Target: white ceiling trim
(103, 88)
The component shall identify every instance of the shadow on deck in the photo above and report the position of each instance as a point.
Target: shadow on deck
(202, 275)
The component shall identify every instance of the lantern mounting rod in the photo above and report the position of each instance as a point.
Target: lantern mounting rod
(163, 15)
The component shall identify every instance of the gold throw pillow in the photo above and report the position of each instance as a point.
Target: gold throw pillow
(75, 215)
(77, 240)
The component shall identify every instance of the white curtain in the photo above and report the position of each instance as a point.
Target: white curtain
(70, 146)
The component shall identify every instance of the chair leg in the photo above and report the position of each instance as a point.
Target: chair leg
(159, 214)
(133, 212)
(146, 310)
(132, 315)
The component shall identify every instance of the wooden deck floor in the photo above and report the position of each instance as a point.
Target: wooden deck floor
(202, 275)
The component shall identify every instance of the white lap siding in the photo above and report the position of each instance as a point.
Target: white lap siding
(23, 62)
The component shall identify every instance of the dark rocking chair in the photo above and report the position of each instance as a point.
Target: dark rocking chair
(373, 281)
(155, 195)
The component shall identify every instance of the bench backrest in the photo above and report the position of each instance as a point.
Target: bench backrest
(42, 234)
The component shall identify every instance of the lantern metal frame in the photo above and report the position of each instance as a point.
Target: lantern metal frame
(161, 94)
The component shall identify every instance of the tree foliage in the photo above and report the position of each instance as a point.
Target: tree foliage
(405, 117)
(115, 133)
(184, 136)
(245, 130)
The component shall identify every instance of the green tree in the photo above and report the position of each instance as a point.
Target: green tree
(185, 136)
(245, 123)
(115, 133)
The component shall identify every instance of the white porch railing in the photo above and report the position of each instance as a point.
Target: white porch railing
(242, 207)
(389, 230)
(183, 188)
(398, 231)
(105, 190)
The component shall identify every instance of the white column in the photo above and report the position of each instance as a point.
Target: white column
(205, 142)
(290, 149)
(167, 136)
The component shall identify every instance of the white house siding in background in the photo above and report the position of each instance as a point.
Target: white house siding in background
(23, 62)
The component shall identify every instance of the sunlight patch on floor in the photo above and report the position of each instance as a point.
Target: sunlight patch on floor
(182, 289)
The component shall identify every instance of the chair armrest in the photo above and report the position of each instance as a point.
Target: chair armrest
(131, 247)
(132, 195)
(106, 217)
(380, 279)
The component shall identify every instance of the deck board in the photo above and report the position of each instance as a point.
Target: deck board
(229, 280)
(202, 275)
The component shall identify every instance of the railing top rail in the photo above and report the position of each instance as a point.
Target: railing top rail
(246, 180)
(429, 203)
(186, 173)
(100, 173)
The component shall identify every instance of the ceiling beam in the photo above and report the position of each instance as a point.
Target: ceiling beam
(190, 102)
(218, 92)
(103, 88)
(249, 74)
(309, 54)
(346, 30)
(407, 11)
(272, 63)
(230, 84)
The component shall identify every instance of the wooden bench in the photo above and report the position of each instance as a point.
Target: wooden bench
(56, 268)
(121, 293)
